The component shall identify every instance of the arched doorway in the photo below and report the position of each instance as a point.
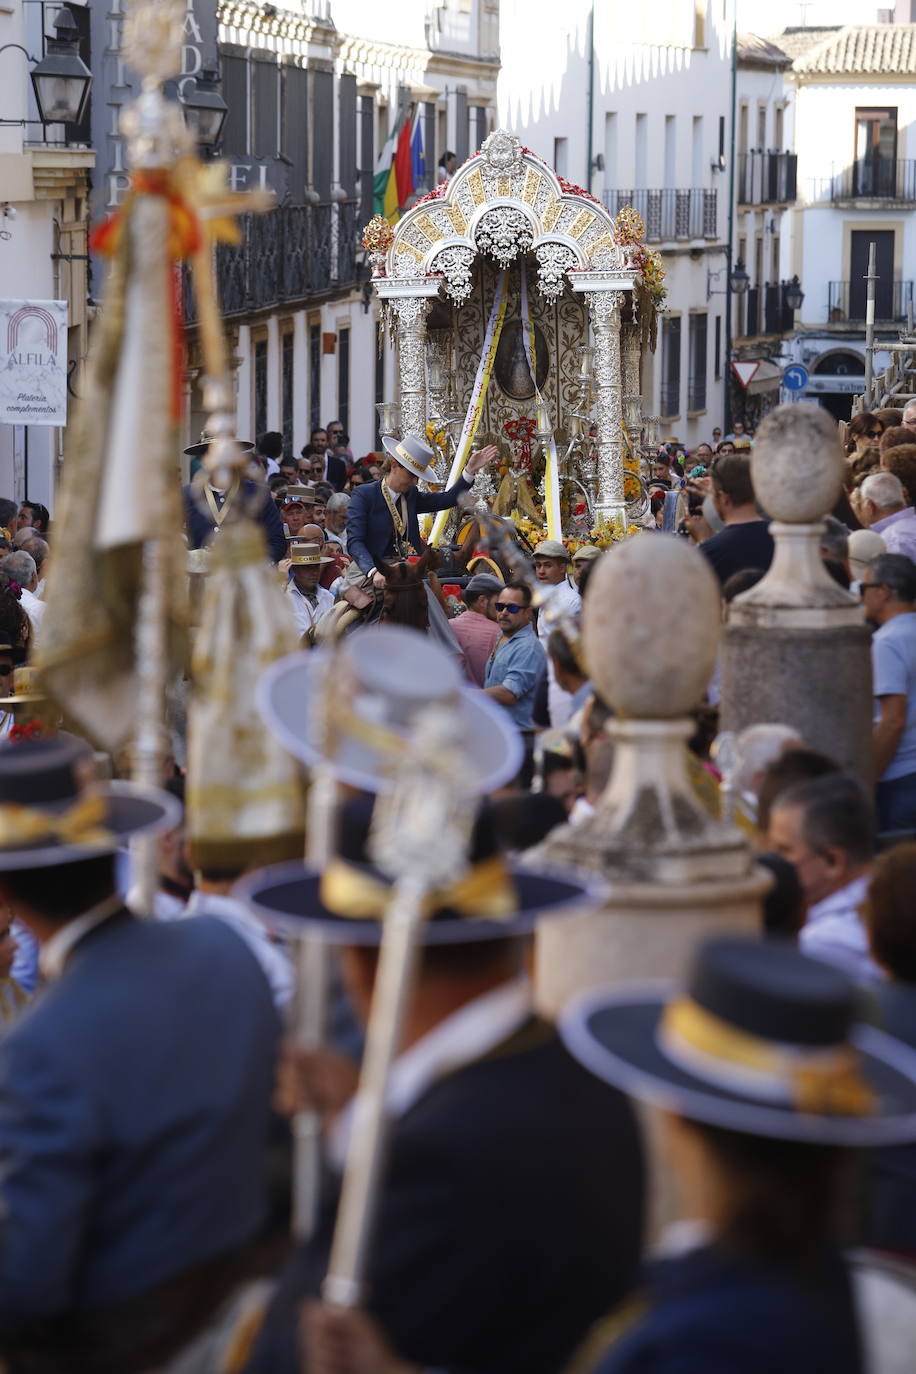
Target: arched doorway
(840, 374)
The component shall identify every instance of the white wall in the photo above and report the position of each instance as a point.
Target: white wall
(648, 92)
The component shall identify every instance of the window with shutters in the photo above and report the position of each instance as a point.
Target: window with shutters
(343, 378)
(670, 399)
(235, 94)
(322, 84)
(314, 374)
(696, 377)
(287, 374)
(366, 157)
(379, 380)
(346, 142)
(260, 384)
(295, 122)
(265, 103)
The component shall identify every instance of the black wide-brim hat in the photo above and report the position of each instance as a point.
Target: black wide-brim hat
(198, 450)
(292, 898)
(52, 812)
(346, 902)
(768, 1000)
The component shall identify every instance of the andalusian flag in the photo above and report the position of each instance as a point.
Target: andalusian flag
(385, 184)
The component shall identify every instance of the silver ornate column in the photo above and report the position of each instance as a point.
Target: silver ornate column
(604, 308)
(410, 312)
(631, 353)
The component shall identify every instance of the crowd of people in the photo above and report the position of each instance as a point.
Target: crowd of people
(147, 1087)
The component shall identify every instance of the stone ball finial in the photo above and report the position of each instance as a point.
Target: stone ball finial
(797, 463)
(651, 627)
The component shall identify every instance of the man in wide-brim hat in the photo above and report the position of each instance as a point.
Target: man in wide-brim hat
(383, 516)
(134, 1115)
(762, 1073)
(488, 1183)
(206, 506)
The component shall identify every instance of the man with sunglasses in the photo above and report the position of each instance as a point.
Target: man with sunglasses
(517, 664)
(888, 592)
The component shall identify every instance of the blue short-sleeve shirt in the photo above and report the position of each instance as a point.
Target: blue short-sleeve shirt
(893, 651)
(517, 664)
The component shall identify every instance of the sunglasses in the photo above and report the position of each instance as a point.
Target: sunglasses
(508, 606)
(868, 587)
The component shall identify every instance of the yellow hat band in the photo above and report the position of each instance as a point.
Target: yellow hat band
(826, 1082)
(79, 824)
(486, 893)
(402, 452)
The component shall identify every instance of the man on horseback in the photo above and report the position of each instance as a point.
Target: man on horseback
(382, 519)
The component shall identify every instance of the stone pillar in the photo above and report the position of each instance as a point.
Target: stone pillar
(410, 312)
(797, 650)
(604, 308)
(650, 631)
(632, 357)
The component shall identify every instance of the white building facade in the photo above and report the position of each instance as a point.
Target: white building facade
(765, 189)
(633, 103)
(855, 114)
(44, 174)
(321, 93)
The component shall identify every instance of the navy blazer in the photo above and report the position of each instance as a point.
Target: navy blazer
(370, 533)
(510, 1219)
(134, 1117)
(200, 526)
(717, 1313)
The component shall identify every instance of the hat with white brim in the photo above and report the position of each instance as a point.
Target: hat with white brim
(412, 455)
(375, 684)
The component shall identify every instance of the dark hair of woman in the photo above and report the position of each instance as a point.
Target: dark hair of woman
(14, 623)
(865, 424)
(783, 1200)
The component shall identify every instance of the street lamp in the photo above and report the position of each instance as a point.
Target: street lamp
(61, 80)
(793, 294)
(738, 280)
(205, 110)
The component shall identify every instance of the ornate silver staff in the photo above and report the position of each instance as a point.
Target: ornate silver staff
(312, 961)
(420, 835)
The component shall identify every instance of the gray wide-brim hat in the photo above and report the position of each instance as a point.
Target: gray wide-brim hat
(412, 455)
(52, 813)
(383, 678)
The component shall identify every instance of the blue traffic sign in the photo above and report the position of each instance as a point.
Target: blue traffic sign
(795, 378)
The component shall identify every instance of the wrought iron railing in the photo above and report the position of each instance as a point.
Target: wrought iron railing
(290, 254)
(876, 179)
(767, 178)
(846, 301)
(670, 215)
(765, 311)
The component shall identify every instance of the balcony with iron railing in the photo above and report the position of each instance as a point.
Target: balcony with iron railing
(766, 311)
(846, 301)
(767, 178)
(293, 253)
(880, 183)
(671, 216)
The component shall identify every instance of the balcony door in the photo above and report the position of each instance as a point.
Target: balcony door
(875, 166)
(883, 239)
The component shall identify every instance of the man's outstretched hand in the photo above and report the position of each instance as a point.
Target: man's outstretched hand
(479, 459)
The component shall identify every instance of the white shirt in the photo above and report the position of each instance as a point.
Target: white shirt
(562, 598)
(33, 608)
(277, 965)
(468, 1034)
(306, 611)
(835, 933)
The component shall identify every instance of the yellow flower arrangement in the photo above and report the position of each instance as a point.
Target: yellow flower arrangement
(436, 437)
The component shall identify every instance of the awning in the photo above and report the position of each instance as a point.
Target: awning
(768, 377)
